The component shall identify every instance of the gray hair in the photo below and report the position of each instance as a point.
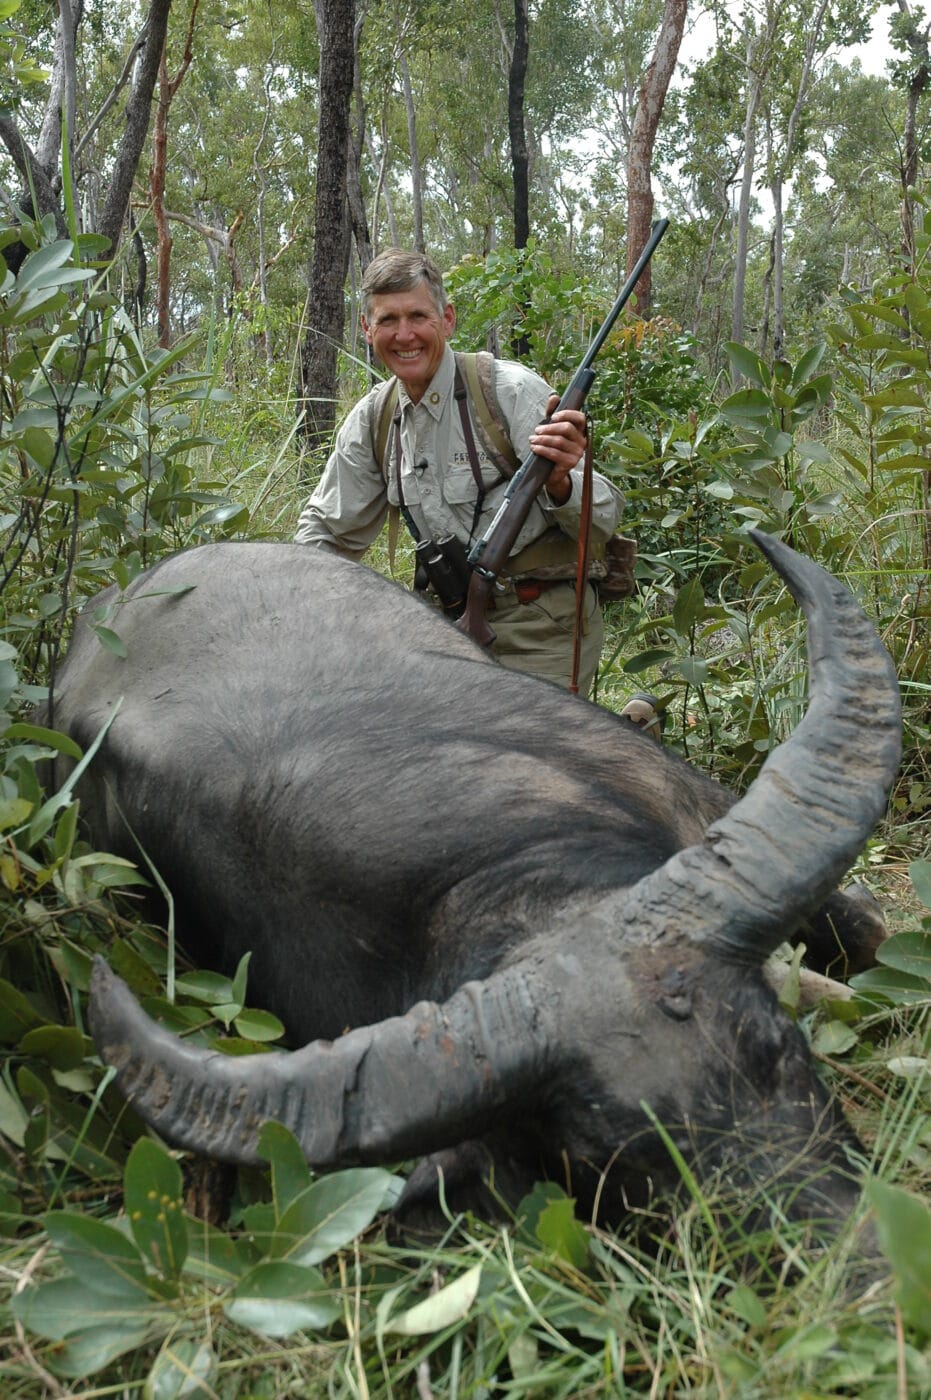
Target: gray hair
(396, 270)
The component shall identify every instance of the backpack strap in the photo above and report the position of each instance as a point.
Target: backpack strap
(478, 371)
(383, 409)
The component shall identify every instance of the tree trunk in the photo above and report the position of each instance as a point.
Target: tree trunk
(813, 33)
(356, 146)
(917, 41)
(754, 88)
(416, 173)
(517, 76)
(61, 97)
(138, 111)
(167, 88)
(776, 265)
(325, 303)
(650, 102)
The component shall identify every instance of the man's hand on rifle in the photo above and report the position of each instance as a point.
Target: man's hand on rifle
(562, 440)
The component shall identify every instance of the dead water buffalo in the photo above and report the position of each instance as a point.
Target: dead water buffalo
(499, 914)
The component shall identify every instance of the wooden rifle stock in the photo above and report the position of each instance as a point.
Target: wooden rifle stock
(489, 555)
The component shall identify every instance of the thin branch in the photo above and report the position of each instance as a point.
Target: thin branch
(137, 45)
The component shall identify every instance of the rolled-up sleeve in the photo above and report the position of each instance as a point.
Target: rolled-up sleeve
(348, 507)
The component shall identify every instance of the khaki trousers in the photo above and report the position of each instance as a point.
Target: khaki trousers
(537, 637)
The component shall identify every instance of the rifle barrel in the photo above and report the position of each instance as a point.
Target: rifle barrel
(649, 248)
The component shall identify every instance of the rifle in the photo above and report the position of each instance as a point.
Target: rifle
(489, 554)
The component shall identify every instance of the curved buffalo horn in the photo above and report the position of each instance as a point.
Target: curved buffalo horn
(437, 1075)
(777, 854)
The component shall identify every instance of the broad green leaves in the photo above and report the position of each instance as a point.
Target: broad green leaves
(154, 1271)
(904, 1224)
(154, 1208)
(904, 973)
(278, 1298)
(329, 1214)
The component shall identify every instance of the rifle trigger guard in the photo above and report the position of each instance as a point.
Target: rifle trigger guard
(485, 573)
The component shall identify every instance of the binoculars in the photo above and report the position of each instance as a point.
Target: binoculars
(442, 565)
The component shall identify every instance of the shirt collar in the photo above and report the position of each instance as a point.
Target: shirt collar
(437, 391)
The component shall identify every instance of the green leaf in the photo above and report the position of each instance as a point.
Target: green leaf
(64, 1047)
(40, 445)
(13, 1116)
(903, 1222)
(747, 363)
(890, 985)
(65, 832)
(748, 407)
(14, 811)
(227, 514)
(66, 1307)
(920, 872)
(809, 1341)
(111, 640)
(209, 987)
(96, 1347)
(808, 363)
(688, 607)
(693, 669)
(184, 1369)
(99, 1255)
(129, 964)
(152, 1192)
(330, 1214)
(290, 1172)
(213, 1255)
(908, 952)
(258, 1025)
(913, 1067)
(440, 1310)
(240, 979)
(36, 734)
(17, 1015)
(559, 1230)
(834, 1038)
(747, 1305)
(277, 1299)
(42, 266)
(645, 660)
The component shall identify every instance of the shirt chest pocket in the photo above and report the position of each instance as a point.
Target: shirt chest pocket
(460, 487)
(410, 492)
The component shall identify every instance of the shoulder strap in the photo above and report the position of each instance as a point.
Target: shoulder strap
(384, 408)
(478, 371)
(386, 401)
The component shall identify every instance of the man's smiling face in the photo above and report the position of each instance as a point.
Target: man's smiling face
(408, 334)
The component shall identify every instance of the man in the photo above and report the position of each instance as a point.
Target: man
(445, 482)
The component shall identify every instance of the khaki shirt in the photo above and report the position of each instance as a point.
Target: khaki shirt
(349, 505)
